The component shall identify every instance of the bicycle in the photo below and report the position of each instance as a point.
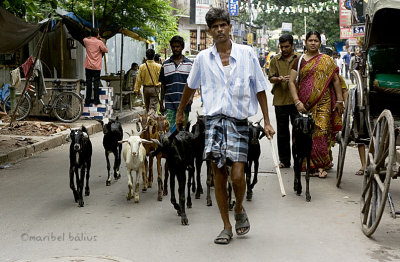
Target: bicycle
(64, 102)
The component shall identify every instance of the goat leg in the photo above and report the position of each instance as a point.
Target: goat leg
(108, 181)
(249, 194)
(209, 184)
(199, 189)
(150, 177)
(297, 175)
(159, 178)
(138, 172)
(129, 196)
(72, 184)
(172, 189)
(117, 173)
(181, 190)
(87, 189)
(166, 174)
(144, 174)
(80, 179)
(308, 196)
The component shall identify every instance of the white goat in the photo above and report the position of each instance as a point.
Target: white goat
(134, 155)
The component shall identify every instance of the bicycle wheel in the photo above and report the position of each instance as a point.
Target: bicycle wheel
(23, 109)
(68, 107)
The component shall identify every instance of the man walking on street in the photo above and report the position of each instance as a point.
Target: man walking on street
(346, 60)
(285, 110)
(95, 47)
(231, 82)
(173, 76)
(323, 42)
(148, 75)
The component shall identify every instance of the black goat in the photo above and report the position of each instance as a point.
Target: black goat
(180, 156)
(112, 134)
(256, 132)
(303, 129)
(80, 155)
(198, 130)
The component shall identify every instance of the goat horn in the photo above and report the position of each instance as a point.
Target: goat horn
(128, 134)
(146, 141)
(122, 141)
(140, 128)
(156, 141)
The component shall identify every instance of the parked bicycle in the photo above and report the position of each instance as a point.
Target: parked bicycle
(64, 103)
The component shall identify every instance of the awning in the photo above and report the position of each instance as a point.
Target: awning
(15, 32)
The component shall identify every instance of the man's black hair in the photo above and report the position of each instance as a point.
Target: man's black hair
(215, 14)
(134, 64)
(150, 54)
(177, 39)
(157, 57)
(94, 32)
(286, 37)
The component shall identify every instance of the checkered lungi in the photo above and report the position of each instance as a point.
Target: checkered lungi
(226, 139)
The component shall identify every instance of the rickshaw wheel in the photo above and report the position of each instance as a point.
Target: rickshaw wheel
(345, 135)
(376, 182)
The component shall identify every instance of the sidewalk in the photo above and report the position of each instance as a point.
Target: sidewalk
(36, 144)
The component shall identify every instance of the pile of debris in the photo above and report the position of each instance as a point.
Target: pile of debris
(32, 128)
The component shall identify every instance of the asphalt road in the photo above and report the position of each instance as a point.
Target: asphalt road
(41, 222)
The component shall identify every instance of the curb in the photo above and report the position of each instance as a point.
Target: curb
(60, 139)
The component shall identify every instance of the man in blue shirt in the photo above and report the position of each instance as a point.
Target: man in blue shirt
(232, 85)
(346, 59)
(173, 76)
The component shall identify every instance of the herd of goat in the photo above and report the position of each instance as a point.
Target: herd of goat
(183, 151)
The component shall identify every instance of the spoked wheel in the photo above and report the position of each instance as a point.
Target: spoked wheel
(345, 134)
(68, 107)
(380, 161)
(23, 109)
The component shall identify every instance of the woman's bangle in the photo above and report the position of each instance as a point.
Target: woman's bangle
(340, 102)
(297, 103)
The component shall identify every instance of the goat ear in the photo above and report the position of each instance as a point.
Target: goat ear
(123, 141)
(85, 134)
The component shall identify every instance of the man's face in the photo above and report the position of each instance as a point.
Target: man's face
(176, 49)
(135, 67)
(286, 48)
(220, 31)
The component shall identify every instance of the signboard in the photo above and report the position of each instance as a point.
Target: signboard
(352, 41)
(346, 32)
(359, 30)
(357, 11)
(250, 38)
(344, 13)
(287, 27)
(202, 7)
(233, 7)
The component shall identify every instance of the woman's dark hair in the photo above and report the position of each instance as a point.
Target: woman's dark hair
(150, 54)
(177, 39)
(286, 37)
(313, 33)
(215, 14)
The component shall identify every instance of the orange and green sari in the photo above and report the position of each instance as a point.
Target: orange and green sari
(317, 93)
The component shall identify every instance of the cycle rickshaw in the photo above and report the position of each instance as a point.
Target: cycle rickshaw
(372, 114)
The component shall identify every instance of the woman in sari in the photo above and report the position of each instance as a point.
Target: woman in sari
(319, 92)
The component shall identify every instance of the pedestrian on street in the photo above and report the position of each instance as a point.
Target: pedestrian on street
(323, 42)
(346, 60)
(339, 63)
(95, 48)
(352, 66)
(148, 75)
(320, 93)
(231, 82)
(285, 111)
(261, 60)
(173, 77)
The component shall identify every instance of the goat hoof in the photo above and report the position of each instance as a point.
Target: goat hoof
(144, 189)
(159, 198)
(87, 192)
(184, 220)
(117, 176)
(81, 203)
(209, 203)
(249, 196)
(200, 190)
(232, 205)
(128, 196)
(193, 189)
(197, 196)
(108, 183)
(189, 205)
(165, 193)
(308, 198)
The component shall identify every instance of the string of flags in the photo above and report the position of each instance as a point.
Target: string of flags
(330, 6)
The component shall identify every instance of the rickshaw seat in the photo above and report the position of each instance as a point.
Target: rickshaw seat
(383, 62)
(384, 59)
(388, 80)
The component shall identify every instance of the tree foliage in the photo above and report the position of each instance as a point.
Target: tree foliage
(147, 18)
(324, 20)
